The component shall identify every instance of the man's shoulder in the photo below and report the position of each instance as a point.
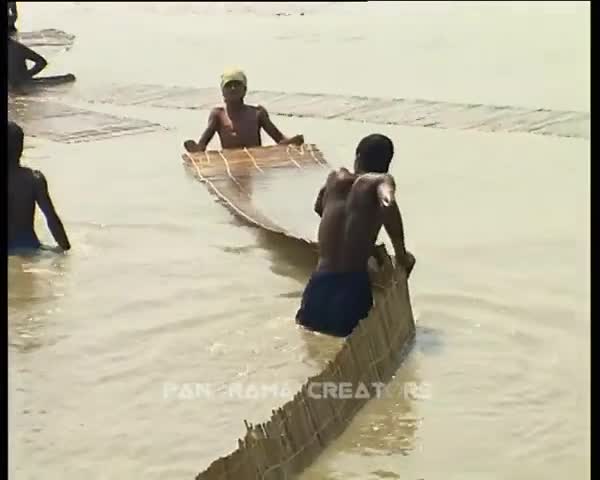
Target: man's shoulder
(258, 109)
(371, 180)
(341, 174)
(28, 171)
(216, 115)
(30, 175)
(374, 176)
(218, 110)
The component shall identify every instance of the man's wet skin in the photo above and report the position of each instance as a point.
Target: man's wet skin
(338, 252)
(26, 188)
(237, 124)
(353, 208)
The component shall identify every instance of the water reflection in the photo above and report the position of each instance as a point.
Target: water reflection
(290, 257)
(35, 283)
(319, 348)
(386, 427)
(391, 422)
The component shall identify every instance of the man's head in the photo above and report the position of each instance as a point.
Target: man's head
(374, 154)
(15, 144)
(234, 85)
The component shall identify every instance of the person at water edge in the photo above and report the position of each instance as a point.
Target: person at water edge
(12, 16)
(238, 125)
(26, 188)
(18, 54)
(353, 207)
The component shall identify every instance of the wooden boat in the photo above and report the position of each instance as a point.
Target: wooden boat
(254, 184)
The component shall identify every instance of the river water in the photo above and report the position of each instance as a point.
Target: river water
(163, 287)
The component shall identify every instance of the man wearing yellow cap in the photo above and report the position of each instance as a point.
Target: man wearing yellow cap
(238, 125)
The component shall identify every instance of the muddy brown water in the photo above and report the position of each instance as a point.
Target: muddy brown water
(163, 286)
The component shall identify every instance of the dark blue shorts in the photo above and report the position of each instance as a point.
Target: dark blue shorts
(334, 302)
(23, 244)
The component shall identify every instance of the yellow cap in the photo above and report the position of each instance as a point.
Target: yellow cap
(232, 75)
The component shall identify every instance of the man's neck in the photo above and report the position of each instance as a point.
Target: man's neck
(235, 107)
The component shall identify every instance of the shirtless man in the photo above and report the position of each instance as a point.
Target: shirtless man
(353, 208)
(18, 73)
(238, 125)
(26, 187)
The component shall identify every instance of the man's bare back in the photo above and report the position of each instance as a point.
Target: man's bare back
(353, 213)
(26, 188)
(353, 208)
(23, 187)
(237, 124)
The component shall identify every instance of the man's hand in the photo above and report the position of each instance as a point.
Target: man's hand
(296, 140)
(409, 263)
(42, 197)
(319, 202)
(190, 146)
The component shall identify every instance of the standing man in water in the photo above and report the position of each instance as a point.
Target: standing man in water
(353, 208)
(26, 188)
(238, 125)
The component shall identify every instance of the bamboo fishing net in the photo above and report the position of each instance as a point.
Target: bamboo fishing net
(243, 179)
(299, 431)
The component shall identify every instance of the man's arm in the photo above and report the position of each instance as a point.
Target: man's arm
(39, 62)
(273, 132)
(319, 202)
(392, 221)
(12, 13)
(209, 133)
(53, 221)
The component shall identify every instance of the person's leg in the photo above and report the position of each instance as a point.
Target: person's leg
(350, 303)
(314, 311)
(51, 80)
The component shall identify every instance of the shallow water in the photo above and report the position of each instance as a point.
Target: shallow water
(164, 287)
